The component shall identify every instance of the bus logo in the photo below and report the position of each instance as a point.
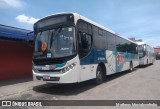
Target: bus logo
(120, 59)
(52, 67)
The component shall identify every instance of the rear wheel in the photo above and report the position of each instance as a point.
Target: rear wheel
(99, 75)
(131, 67)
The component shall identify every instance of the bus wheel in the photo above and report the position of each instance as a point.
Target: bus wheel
(99, 75)
(131, 67)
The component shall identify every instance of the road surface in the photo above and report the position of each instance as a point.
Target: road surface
(141, 84)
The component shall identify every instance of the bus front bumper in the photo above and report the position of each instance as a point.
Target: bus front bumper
(67, 77)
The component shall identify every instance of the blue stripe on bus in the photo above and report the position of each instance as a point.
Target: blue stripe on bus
(56, 65)
(98, 56)
(94, 57)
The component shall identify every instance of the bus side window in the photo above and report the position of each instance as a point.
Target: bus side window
(84, 38)
(84, 41)
(79, 41)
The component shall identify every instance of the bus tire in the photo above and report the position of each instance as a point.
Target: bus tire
(99, 75)
(130, 67)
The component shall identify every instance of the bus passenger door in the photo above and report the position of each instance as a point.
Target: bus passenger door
(85, 55)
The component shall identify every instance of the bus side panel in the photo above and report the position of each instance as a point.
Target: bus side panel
(111, 62)
(135, 61)
(90, 62)
(143, 61)
(124, 59)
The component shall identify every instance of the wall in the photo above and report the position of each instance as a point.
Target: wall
(15, 59)
(157, 50)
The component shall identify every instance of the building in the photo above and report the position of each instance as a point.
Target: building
(16, 54)
(157, 51)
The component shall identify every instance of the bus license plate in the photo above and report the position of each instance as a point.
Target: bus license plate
(46, 77)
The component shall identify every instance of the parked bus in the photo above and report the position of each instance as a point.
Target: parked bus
(146, 54)
(70, 48)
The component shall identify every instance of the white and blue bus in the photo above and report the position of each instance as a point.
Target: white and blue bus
(70, 48)
(146, 54)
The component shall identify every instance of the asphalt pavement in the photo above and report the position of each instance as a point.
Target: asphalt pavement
(141, 84)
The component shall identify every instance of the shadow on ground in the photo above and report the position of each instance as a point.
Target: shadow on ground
(144, 66)
(16, 81)
(76, 88)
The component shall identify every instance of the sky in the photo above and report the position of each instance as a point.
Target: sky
(130, 18)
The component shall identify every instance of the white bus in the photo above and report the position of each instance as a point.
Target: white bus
(70, 48)
(146, 54)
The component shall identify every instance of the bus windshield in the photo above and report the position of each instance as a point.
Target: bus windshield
(142, 51)
(58, 42)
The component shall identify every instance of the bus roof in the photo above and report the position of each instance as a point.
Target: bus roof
(143, 43)
(98, 25)
(90, 21)
(140, 43)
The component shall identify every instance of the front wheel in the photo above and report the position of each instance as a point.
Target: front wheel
(131, 67)
(99, 75)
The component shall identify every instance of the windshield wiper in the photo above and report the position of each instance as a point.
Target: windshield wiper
(53, 36)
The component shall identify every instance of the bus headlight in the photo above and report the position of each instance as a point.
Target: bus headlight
(69, 67)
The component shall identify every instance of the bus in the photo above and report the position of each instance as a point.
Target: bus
(70, 48)
(146, 54)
